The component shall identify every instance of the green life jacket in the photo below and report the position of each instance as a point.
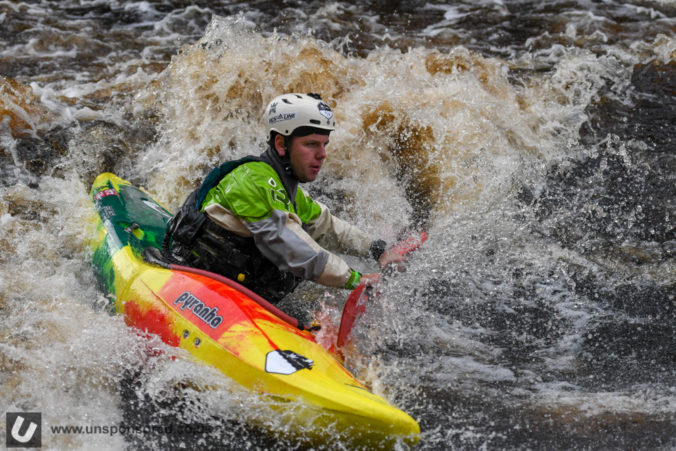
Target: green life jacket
(195, 240)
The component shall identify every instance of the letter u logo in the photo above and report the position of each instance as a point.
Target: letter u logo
(24, 430)
(26, 436)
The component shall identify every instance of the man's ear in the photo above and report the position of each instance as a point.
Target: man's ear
(280, 144)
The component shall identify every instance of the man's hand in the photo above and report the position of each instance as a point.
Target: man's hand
(392, 258)
(370, 279)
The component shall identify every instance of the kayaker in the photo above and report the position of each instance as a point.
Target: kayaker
(251, 222)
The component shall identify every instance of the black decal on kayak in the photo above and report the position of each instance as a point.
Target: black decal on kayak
(209, 315)
(286, 362)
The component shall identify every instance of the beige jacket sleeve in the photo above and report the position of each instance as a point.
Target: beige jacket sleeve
(338, 235)
(283, 240)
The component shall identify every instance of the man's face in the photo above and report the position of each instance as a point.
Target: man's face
(307, 155)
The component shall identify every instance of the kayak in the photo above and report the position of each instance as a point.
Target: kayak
(224, 325)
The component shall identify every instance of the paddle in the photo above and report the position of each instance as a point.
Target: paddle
(355, 306)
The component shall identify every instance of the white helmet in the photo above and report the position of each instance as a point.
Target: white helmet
(288, 112)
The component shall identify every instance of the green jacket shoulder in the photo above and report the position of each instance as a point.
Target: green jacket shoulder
(253, 190)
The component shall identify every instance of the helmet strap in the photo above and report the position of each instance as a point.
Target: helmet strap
(286, 159)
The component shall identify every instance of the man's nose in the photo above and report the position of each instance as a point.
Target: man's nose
(321, 153)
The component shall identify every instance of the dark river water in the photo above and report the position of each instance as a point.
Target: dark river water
(533, 140)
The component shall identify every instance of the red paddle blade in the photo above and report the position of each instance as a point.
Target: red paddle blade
(355, 306)
(410, 243)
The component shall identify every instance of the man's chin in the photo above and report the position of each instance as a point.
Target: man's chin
(308, 177)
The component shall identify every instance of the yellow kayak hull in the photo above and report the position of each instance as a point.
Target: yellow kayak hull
(223, 327)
